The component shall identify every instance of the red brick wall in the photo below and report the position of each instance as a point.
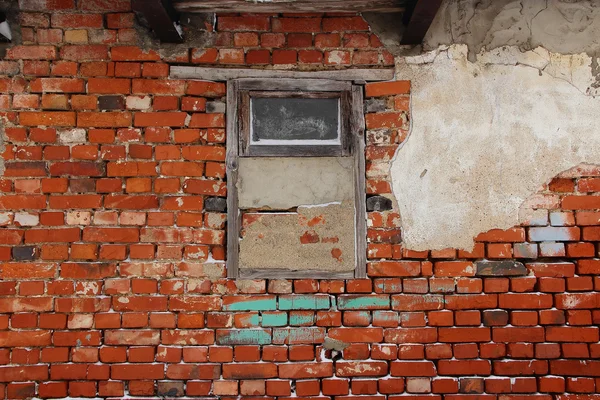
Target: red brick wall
(105, 287)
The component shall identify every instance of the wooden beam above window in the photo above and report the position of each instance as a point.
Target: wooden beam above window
(161, 18)
(418, 18)
(289, 6)
(225, 74)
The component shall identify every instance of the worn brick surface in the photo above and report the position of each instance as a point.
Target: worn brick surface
(112, 240)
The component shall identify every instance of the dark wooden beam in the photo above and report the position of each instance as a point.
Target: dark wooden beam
(161, 17)
(418, 18)
(289, 6)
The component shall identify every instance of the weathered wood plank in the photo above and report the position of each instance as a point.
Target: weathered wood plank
(225, 74)
(357, 129)
(231, 160)
(161, 17)
(304, 85)
(288, 274)
(420, 20)
(289, 6)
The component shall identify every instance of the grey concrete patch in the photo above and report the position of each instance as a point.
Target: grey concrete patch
(279, 183)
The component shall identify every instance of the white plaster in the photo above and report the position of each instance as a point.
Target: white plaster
(5, 218)
(72, 136)
(138, 102)
(26, 219)
(485, 136)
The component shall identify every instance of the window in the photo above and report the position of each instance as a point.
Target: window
(295, 165)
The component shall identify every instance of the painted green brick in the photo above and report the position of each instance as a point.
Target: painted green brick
(249, 303)
(298, 335)
(301, 319)
(274, 319)
(243, 336)
(363, 302)
(304, 302)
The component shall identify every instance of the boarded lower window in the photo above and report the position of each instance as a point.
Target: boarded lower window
(295, 179)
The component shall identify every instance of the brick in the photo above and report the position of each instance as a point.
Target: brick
(247, 336)
(500, 268)
(243, 23)
(305, 370)
(285, 56)
(571, 334)
(366, 302)
(47, 118)
(132, 53)
(457, 335)
(303, 302)
(55, 102)
(205, 56)
(514, 334)
(105, 5)
(153, 86)
(340, 57)
(249, 371)
(411, 335)
(412, 368)
(76, 20)
(409, 302)
(23, 373)
(109, 86)
(380, 89)
(553, 270)
(551, 234)
(345, 24)
(206, 89)
(361, 368)
(394, 268)
(471, 301)
(77, 36)
(31, 53)
(525, 301)
(133, 371)
(161, 119)
(114, 235)
(102, 120)
(356, 335)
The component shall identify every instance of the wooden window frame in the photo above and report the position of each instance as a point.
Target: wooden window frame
(247, 149)
(352, 144)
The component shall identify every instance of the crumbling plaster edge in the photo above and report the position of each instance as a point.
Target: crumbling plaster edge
(520, 59)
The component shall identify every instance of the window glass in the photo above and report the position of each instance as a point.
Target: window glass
(294, 120)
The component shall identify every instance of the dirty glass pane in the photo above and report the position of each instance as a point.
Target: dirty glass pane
(295, 120)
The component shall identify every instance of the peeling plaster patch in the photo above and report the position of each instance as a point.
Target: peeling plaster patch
(561, 26)
(26, 219)
(490, 133)
(314, 238)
